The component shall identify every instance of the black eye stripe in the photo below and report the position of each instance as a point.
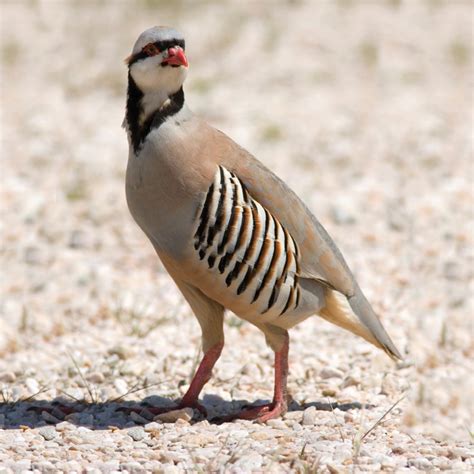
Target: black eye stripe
(161, 45)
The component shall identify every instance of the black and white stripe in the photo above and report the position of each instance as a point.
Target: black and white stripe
(242, 241)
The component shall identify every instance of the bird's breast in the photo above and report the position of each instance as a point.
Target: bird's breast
(160, 198)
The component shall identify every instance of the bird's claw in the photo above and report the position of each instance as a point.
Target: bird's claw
(260, 414)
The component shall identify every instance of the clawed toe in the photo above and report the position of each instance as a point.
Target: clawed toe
(260, 414)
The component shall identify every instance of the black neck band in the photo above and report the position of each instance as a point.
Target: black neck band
(138, 132)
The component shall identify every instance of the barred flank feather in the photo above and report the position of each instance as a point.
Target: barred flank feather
(241, 240)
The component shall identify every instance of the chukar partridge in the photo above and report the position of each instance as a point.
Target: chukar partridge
(230, 233)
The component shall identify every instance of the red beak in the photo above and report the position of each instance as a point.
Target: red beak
(176, 57)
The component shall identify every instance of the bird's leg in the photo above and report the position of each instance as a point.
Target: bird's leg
(279, 404)
(201, 377)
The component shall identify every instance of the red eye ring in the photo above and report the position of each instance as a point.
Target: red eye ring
(150, 49)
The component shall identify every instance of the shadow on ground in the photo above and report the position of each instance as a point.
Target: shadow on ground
(106, 415)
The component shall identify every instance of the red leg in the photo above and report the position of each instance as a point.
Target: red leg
(279, 404)
(201, 377)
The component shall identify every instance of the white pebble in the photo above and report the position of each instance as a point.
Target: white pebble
(121, 386)
(32, 385)
(48, 432)
(331, 372)
(309, 416)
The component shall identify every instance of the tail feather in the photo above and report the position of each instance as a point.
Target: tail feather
(357, 316)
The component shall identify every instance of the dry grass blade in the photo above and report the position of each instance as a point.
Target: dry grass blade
(5, 396)
(86, 383)
(136, 388)
(70, 396)
(338, 425)
(31, 397)
(372, 428)
(211, 464)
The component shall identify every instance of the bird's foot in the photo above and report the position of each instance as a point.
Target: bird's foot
(260, 414)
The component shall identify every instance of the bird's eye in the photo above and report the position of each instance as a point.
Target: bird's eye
(150, 49)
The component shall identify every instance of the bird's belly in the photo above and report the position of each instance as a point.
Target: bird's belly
(284, 312)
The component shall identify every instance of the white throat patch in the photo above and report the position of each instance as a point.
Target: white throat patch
(156, 82)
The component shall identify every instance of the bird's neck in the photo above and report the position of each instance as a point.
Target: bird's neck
(147, 111)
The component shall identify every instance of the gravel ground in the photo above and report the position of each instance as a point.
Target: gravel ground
(365, 109)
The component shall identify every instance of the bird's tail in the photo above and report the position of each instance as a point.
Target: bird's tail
(357, 316)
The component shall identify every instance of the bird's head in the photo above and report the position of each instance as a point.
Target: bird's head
(158, 64)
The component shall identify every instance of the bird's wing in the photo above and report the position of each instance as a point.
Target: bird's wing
(320, 258)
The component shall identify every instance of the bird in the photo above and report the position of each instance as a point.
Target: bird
(230, 233)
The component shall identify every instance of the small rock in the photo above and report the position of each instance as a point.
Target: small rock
(32, 385)
(64, 426)
(86, 419)
(331, 372)
(137, 433)
(43, 467)
(342, 216)
(95, 377)
(122, 352)
(49, 418)
(198, 439)
(181, 422)
(32, 255)
(7, 377)
(252, 462)
(80, 419)
(420, 463)
(20, 466)
(388, 463)
(48, 432)
(460, 452)
(294, 416)
(350, 381)
(329, 392)
(277, 424)
(121, 386)
(170, 469)
(76, 393)
(389, 385)
(398, 450)
(137, 418)
(260, 435)
(238, 434)
(133, 467)
(348, 417)
(153, 426)
(309, 416)
(334, 470)
(185, 414)
(107, 467)
(77, 239)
